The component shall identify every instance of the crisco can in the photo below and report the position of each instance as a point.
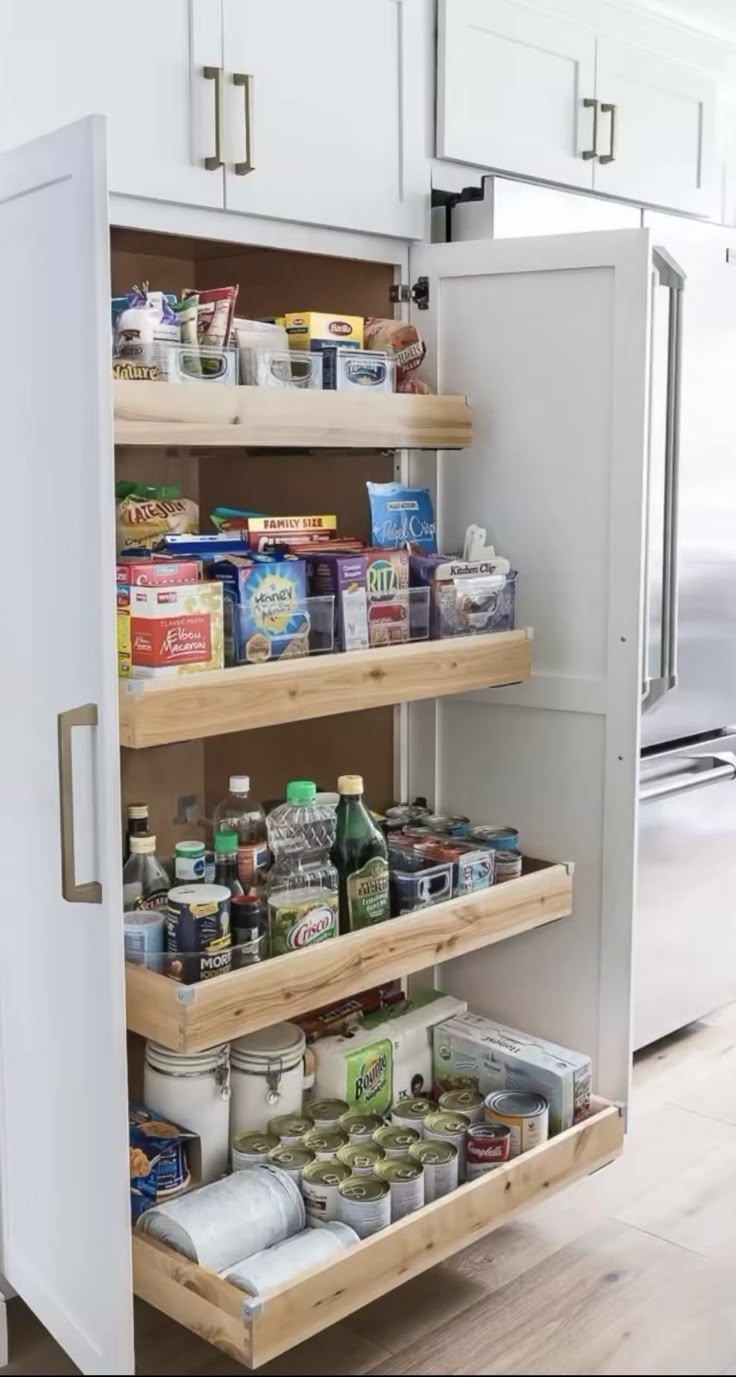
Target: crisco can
(320, 1181)
(452, 1128)
(508, 865)
(324, 1142)
(290, 1128)
(365, 1204)
(439, 1159)
(488, 1146)
(359, 1127)
(250, 1149)
(412, 1112)
(327, 1113)
(361, 1158)
(467, 1102)
(526, 1115)
(292, 1160)
(395, 1140)
(406, 1182)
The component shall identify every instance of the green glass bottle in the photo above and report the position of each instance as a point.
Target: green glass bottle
(361, 857)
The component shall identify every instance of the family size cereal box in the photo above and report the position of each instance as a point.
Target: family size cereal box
(387, 589)
(315, 330)
(265, 612)
(470, 1050)
(175, 630)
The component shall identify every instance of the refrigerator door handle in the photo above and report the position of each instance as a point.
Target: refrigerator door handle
(672, 277)
(721, 771)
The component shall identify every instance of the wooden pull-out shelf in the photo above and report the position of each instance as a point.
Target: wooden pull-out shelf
(213, 702)
(150, 413)
(253, 1332)
(192, 1017)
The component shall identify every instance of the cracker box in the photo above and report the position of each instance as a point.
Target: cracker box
(315, 330)
(266, 617)
(176, 630)
(387, 590)
(473, 1051)
(467, 597)
(122, 622)
(343, 578)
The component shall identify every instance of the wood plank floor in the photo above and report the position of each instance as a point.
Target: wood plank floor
(632, 1271)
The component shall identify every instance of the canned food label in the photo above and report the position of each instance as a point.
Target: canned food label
(368, 894)
(368, 1075)
(297, 925)
(252, 864)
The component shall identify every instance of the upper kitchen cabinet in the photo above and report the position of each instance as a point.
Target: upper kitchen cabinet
(326, 112)
(511, 90)
(142, 65)
(656, 129)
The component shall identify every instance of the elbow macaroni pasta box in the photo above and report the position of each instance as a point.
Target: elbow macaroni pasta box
(472, 1051)
(175, 630)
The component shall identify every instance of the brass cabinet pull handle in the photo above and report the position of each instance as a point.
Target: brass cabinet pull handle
(91, 893)
(594, 105)
(248, 82)
(612, 110)
(215, 74)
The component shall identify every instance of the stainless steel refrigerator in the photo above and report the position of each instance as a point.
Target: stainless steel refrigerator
(685, 928)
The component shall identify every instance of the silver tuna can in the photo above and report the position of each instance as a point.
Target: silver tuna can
(364, 1204)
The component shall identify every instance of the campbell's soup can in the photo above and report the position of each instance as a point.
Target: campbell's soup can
(361, 1158)
(320, 1181)
(359, 1127)
(526, 1115)
(395, 1140)
(468, 1102)
(452, 1128)
(364, 1204)
(291, 1129)
(406, 1183)
(324, 1142)
(440, 1162)
(327, 1113)
(487, 1146)
(412, 1112)
(292, 1160)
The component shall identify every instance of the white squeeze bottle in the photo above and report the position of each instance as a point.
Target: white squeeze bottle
(237, 812)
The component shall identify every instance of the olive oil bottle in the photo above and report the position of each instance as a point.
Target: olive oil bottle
(361, 857)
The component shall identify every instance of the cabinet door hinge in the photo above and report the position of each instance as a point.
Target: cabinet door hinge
(418, 293)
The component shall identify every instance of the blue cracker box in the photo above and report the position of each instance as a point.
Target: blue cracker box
(467, 597)
(266, 616)
(164, 1159)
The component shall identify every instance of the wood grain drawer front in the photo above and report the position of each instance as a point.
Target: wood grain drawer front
(254, 1332)
(192, 1017)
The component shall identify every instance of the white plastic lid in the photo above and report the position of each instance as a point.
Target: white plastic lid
(143, 845)
(240, 784)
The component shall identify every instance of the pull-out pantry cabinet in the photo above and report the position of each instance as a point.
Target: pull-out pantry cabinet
(548, 337)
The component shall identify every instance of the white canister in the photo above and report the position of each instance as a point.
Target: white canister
(267, 1076)
(193, 1089)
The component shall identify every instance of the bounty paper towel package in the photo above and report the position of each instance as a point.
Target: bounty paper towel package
(470, 1050)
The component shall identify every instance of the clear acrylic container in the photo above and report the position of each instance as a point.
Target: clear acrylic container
(473, 606)
(177, 363)
(285, 368)
(357, 370)
(306, 627)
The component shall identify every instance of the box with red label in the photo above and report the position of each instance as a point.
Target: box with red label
(387, 590)
(175, 630)
(158, 572)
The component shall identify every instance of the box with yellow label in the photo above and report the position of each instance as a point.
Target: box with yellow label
(123, 631)
(316, 330)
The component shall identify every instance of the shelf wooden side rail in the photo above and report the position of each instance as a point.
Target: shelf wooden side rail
(254, 1331)
(189, 1018)
(215, 415)
(211, 703)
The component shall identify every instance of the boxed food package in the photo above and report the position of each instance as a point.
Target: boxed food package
(314, 330)
(164, 1159)
(274, 530)
(470, 1050)
(265, 613)
(176, 630)
(122, 624)
(388, 1057)
(343, 578)
(466, 596)
(160, 573)
(387, 591)
(356, 370)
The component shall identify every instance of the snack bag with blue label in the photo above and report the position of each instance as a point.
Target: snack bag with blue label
(402, 516)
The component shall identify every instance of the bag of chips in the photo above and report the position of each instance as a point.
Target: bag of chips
(402, 516)
(146, 514)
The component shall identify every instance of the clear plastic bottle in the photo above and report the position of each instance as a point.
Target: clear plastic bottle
(237, 812)
(302, 883)
(145, 882)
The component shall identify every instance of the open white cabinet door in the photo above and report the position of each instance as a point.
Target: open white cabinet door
(549, 338)
(63, 1125)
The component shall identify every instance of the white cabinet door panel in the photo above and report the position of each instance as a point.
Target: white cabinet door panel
(664, 133)
(549, 339)
(510, 89)
(140, 65)
(63, 1095)
(337, 112)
